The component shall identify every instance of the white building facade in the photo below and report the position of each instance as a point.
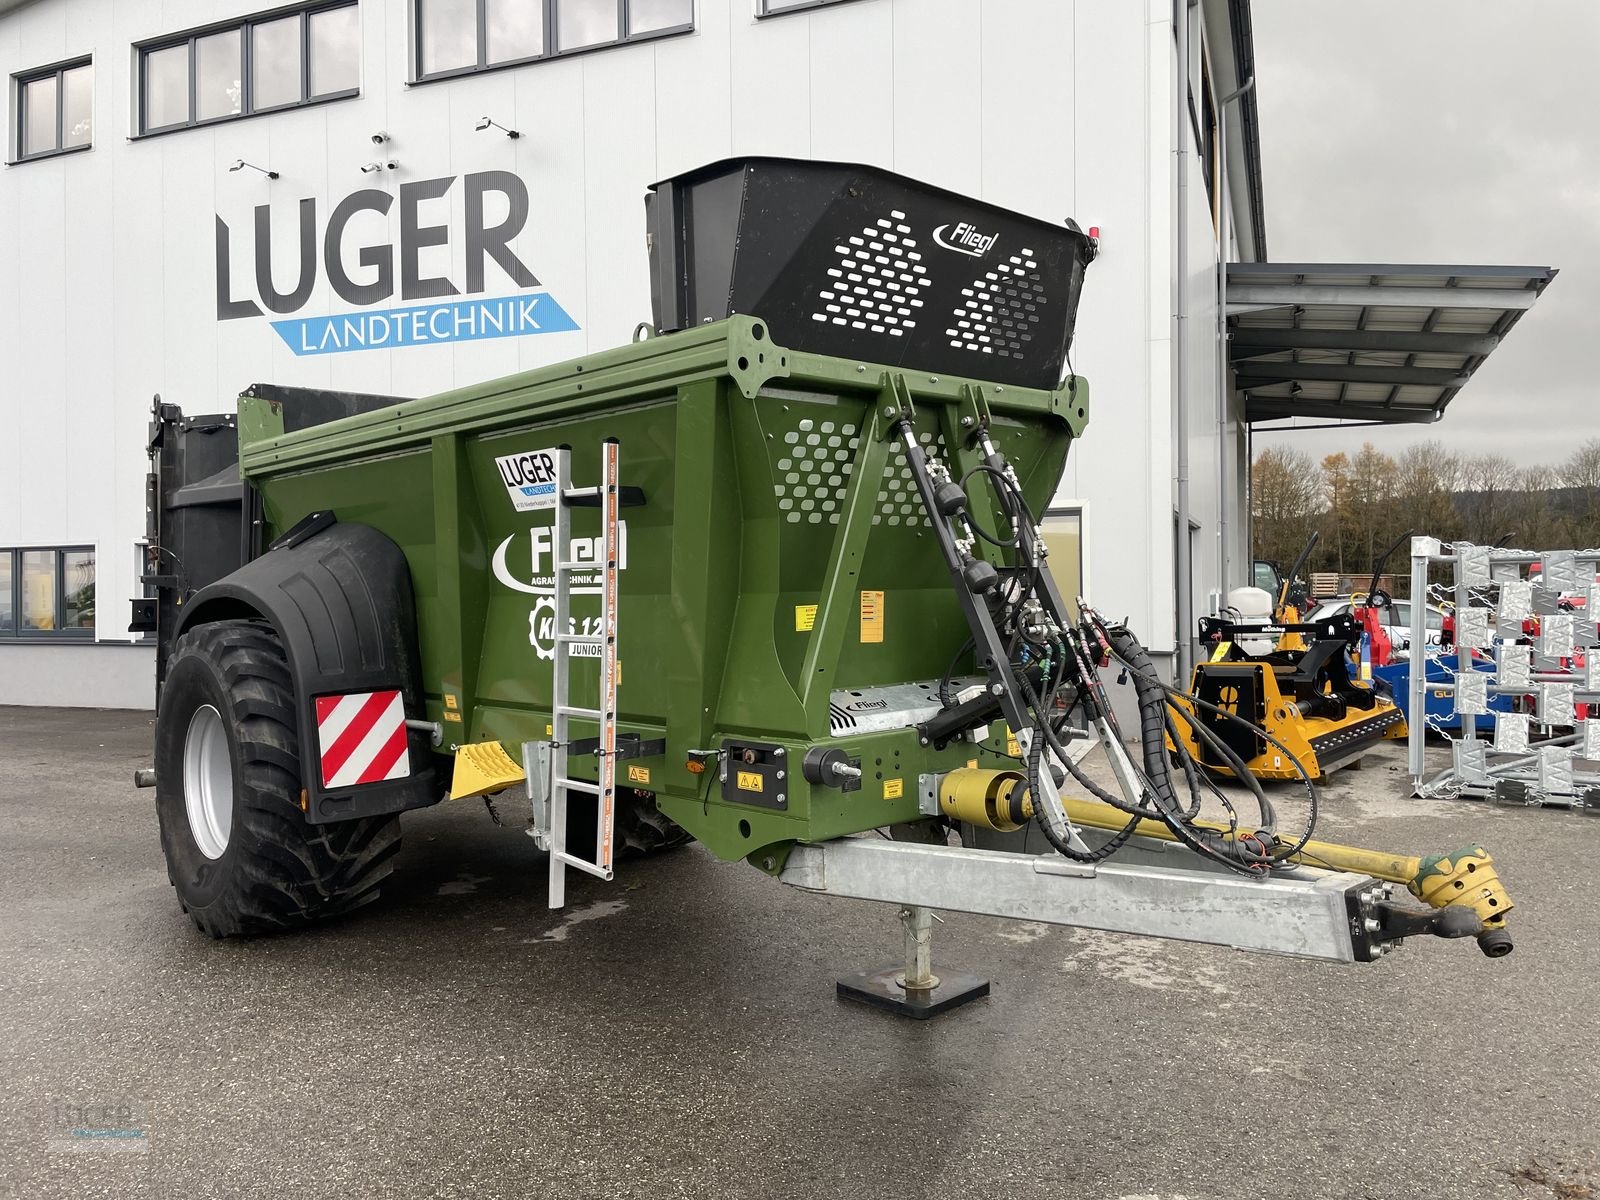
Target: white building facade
(194, 186)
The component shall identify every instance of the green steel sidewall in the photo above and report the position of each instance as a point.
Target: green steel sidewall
(716, 566)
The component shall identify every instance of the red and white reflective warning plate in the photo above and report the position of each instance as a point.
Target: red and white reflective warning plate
(361, 738)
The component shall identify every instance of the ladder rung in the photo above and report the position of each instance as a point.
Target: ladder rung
(581, 639)
(578, 785)
(566, 710)
(583, 864)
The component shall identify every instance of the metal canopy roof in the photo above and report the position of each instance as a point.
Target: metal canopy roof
(1367, 342)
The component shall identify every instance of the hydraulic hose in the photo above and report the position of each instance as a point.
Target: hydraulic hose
(1152, 730)
(1283, 850)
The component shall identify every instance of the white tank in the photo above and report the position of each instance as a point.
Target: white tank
(1252, 605)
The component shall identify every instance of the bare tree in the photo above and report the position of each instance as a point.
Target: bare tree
(1285, 502)
(1485, 480)
(1336, 483)
(1531, 518)
(1581, 473)
(1371, 509)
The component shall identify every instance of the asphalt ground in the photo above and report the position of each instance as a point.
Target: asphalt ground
(676, 1033)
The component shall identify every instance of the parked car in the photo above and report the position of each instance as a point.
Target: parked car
(1396, 619)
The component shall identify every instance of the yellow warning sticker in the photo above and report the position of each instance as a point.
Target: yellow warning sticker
(638, 774)
(481, 768)
(871, 618)
(1013, 747)
(549, 730)
(893, 789)
(616, 677)
(749, 781)
(453, 716)
(449, 701)
(1221, 652)
(972, 764)
(805, 617)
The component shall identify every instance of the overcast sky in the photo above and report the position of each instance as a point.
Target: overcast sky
(1447, 131)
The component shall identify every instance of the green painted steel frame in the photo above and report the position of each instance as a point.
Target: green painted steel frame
(416, 470)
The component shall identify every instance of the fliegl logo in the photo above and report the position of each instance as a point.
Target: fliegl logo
(365, 265)
(539, 581)
(965, 239)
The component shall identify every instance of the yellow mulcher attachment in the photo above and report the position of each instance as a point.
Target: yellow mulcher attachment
(1318, 716)
(1291, 679)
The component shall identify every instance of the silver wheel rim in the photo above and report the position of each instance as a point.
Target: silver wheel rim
(208, 781)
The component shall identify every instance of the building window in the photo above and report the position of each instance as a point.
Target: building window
(46, 593)
(771, 8)
(263, 64)
(454, 37)
(1063, 530)
(55, 110)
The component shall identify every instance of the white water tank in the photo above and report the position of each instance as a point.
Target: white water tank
(1252, 605)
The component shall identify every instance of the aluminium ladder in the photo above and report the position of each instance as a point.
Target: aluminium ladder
(550, 817)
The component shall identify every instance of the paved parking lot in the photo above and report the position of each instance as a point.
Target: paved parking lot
(676, 1034)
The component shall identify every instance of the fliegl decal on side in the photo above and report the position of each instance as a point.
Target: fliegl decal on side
(540, 583)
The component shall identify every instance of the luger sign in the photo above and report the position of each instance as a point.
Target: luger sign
(393, 269)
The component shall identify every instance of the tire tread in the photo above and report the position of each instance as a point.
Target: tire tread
(286, 871)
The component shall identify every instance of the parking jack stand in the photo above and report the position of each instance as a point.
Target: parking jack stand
(914, 990)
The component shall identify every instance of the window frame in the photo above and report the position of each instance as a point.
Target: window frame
(19, 633)
(548, 9)
(763, 11)
(19, 112)
(1078, 510)
(244, 26)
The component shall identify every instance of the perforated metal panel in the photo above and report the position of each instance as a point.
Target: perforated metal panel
(813, 469)
(1000, 313)
(879, 280)
(814, 465)
(855, 262)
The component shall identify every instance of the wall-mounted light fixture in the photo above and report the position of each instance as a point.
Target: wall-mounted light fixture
(490, 123)
(241, 165)
(387, 165)
(380, 138)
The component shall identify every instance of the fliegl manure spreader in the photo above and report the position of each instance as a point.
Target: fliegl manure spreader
(768, 577)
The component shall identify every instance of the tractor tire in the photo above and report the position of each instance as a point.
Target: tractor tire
(240, 852)
(643, 829)
(639, 828)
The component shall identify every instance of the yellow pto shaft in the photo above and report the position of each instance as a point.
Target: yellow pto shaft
(1464, 879)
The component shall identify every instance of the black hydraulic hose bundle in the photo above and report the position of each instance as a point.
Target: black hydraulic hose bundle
(1282, 850)
(1209, 843)
(1035, 766)
(1255, 852)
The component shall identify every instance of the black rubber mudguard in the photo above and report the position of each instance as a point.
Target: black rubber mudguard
(340, 597)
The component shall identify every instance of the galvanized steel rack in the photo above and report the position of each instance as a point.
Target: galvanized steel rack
(1540, 630)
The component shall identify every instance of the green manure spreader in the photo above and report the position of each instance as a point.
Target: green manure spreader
(768, 578)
